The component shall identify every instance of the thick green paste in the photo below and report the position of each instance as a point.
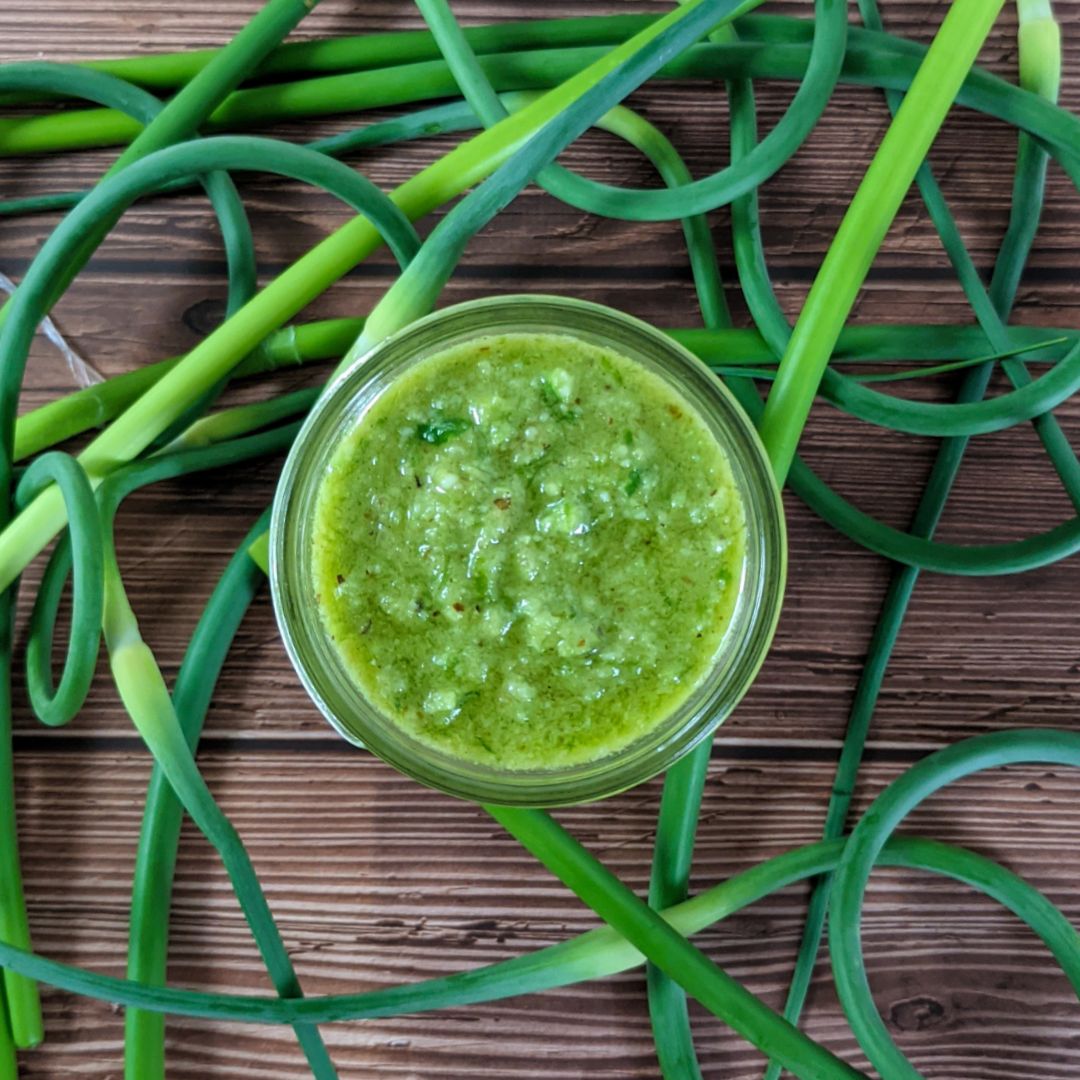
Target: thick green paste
(528, 550)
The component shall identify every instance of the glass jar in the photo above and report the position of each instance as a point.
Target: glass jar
(337, 692)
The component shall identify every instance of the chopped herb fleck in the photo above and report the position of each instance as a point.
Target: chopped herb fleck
(437, 431)
(550, 397)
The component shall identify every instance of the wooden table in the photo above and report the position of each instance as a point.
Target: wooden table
(375, 880)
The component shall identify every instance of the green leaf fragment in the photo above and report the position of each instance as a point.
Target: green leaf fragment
(437, 431)
(554, 401)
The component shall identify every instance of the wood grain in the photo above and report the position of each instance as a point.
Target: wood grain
(376, 881)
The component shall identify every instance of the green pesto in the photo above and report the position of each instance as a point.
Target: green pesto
(528, 550)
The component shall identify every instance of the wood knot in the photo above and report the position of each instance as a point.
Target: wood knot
(917, 1014)
(204, 315)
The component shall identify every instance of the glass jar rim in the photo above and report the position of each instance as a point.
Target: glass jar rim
(321, 669)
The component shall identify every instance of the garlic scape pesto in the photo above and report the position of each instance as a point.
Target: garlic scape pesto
(527, 550)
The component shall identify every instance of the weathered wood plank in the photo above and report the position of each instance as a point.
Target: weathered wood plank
(375, 881)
